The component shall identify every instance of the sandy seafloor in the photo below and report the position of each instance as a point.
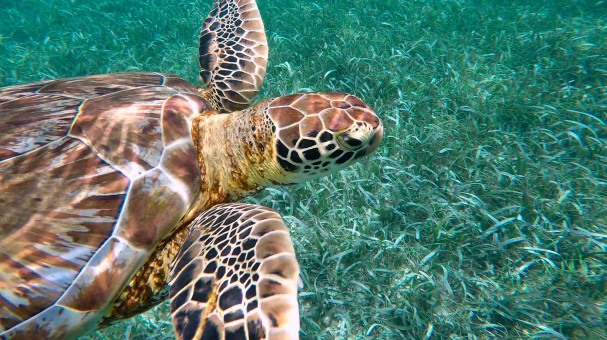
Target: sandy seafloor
(482, 215)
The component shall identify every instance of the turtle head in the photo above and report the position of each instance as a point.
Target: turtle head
(282, 141)
(317, 134)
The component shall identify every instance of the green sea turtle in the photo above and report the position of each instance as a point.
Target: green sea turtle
(118, 191)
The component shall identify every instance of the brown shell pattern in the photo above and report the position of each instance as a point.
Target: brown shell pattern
(94, 171)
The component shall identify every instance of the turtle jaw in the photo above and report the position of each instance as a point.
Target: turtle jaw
(298, 176)
(375, 139)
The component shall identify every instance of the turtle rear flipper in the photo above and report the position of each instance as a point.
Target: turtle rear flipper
(236, 274)
(233, 54)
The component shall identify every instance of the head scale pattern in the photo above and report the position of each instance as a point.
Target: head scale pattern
(319, 133)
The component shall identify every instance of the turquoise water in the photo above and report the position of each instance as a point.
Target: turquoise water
(482, 215)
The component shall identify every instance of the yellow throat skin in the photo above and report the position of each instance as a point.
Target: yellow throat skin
(236, 156)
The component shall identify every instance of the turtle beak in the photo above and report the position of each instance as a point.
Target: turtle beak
(375, 140)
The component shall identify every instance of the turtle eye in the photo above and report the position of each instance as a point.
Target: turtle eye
(353, 142)
(348, 142)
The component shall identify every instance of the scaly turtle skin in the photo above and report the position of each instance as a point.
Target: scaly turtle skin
(118, 192)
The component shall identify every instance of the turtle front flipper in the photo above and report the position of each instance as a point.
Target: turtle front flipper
(233, 54)
(235, 275)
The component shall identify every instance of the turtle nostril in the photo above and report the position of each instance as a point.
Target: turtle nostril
(374, 122)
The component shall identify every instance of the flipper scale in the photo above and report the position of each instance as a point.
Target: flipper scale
(236, 277)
